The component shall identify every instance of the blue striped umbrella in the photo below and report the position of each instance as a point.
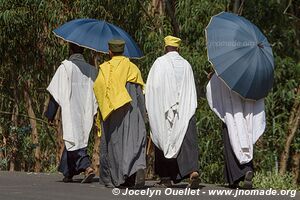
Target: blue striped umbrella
(241, 55)
(95, 34)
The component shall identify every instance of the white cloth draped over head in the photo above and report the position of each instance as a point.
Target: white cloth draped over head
(245, 119)
(171, 101)
(72, 89)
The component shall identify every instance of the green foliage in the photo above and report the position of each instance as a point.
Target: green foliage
(211, 161)
(278, 105)
(30, 51)
(271, 179)
(280, 28)
(4, 163)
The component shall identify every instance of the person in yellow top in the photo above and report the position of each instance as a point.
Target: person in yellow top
(114, 74)
(119, 93)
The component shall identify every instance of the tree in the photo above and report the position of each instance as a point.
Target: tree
(31, 53)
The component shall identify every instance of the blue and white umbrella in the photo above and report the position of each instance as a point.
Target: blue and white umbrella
(241, 55)
(95, 34)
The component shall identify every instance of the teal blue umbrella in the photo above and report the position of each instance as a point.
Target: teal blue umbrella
(95, 34)
(241, 55)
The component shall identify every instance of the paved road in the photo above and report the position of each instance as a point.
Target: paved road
(42, 186)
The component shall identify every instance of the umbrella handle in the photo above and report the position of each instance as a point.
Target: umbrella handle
(210, 74)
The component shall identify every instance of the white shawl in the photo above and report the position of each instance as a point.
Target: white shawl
(245, 119)
(169, 110)
(73, 91)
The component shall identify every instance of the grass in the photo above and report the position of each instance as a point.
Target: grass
(272, 179)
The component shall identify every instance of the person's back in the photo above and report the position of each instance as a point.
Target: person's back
(118, 89)
(111, 81)
(179, 64)
(82, 96)
(243, 123)
(71, 88)
(171, 103)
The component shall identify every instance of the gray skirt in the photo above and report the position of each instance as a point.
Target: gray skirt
(123, 141)
(74, 162)
(233, 170)
(186, 162)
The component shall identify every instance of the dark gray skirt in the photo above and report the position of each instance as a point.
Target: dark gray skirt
(187, 160)
(74, 162)
(233, 171)
(123, 141)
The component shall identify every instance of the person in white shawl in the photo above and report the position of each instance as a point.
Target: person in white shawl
(171, 102)
(243, 123)
(71, 88)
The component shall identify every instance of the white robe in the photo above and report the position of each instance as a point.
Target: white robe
(245, 119)
(72, 89)
(170, 109)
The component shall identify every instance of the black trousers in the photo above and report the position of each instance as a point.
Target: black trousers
(74, 162)
(233, 170)
(187, 160)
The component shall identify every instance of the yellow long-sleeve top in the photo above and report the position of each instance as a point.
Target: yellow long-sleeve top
(110, 85)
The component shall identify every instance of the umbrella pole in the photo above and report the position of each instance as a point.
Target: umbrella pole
(149, 145)
(96, 60)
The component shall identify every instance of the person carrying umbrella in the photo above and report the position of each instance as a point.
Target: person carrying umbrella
(243, 63)
(71, 88)
(171, 102)
(119, 92)
(243, 122)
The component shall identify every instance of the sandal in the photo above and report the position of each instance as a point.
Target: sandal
(89, 175)
(139, 179)
(164, 183)
(194, 180)
(67, 179)
(248, 180)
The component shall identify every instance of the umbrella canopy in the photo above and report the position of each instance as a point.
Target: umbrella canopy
(240, 54)
(95, 34)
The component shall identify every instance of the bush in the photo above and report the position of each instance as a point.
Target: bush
(272, 179)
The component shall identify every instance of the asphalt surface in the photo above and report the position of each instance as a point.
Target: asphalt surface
(42, 186)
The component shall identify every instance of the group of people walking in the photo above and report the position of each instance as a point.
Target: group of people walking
(124, 104)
